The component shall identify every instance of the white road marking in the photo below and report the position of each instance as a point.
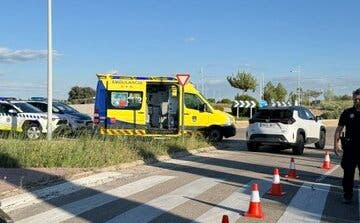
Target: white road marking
(38, 196)
(326, 174)
(160, 205)
(307, 205)
(232, 205)
(71, 210)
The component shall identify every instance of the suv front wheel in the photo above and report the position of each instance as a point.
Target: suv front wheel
(298, 149)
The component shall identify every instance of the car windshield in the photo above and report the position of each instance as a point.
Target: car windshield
(27, 108)
(64, 107)
(273, 114)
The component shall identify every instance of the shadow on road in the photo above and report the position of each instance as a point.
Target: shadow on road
(106, 212)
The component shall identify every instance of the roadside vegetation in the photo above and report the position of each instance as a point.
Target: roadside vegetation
(86, 151)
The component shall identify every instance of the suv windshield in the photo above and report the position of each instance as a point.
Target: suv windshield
(275, 114)
(27, 108)
(64, 107)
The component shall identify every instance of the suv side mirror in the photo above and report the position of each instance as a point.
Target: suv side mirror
(12, 112)
(317, 118)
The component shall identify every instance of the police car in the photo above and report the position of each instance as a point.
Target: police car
(285, 127)
(76, 120)
(19, 116)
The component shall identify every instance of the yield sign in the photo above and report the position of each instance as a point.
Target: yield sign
(183, 78)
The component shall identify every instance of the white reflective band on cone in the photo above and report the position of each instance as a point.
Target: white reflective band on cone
(255, 197)
(327, 157)
(292, 165)
(276, 179)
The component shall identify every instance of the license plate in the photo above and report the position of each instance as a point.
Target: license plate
(267, 125)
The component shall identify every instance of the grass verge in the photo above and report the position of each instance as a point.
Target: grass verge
(88, 151)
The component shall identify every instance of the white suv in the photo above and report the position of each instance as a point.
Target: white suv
(285, 127)
(20, 116)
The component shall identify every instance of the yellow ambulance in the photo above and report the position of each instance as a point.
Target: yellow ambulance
(151, 106)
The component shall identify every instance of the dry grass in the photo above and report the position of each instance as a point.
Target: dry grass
(88, 151)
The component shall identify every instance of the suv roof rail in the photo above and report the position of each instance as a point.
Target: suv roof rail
(38, 98)
(8, 99)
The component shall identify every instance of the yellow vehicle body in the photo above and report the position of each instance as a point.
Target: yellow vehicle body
(151, 106)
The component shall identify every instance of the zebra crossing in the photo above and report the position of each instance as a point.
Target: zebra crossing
(306, 205)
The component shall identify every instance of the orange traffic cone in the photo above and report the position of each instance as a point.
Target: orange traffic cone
(276, 186)
(292, 170)
(254, 206)
(326, 164)
(225, 219)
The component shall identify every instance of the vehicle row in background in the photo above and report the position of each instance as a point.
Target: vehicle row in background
(21, 117)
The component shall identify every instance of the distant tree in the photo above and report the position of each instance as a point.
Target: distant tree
(243, 80)
(292, 97)
(269, 91)
(81, 95)
(225, 101)
(314, 94)
(211, 100)
(329, 94)
(280, 92)
(345, 97)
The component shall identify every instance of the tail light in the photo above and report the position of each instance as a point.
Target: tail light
(288, 121)
(96, 116)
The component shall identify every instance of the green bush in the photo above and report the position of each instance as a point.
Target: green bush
(331, 115)
(218, 107)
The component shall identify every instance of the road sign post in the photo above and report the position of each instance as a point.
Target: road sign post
(182, 79)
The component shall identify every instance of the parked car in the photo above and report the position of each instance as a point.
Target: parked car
(285, 127)
(19, 116)
(76, 119)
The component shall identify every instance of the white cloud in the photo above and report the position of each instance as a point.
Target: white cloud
(189, 39)
(13, 56)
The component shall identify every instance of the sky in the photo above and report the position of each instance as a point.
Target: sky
(166, 37)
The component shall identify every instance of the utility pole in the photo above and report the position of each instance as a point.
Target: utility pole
(49, 76)
(202, 81)
(299, 85)
(298, 71)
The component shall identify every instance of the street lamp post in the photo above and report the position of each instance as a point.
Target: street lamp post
(49, 84)
(298, 71)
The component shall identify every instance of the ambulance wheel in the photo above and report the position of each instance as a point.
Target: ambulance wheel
(32, 131)
(215, 135)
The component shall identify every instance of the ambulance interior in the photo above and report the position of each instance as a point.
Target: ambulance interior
(162, 108)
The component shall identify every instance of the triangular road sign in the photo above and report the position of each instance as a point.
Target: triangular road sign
(183, 78)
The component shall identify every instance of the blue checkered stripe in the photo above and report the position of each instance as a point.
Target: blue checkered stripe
(21, 116)
(28, 116)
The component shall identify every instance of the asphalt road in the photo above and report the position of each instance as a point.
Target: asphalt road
(198, 188)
